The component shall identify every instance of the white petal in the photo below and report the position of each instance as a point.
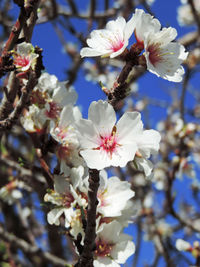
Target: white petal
(110, 232)
(115, 197)
(88, 135)
(103, 180)
(64, 96)
(129, 28)
(145, 24)
(122, 251)
(66, 116)
(144, 165)
(90, 52)
(148, 142)
(105, 261)
(54, 215)
(103, 116)
(118, 52)
(24, 48)
(95, 159)
(129, 127)
(123, 154)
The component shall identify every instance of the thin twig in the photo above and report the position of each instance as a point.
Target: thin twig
(183, 93)
(30, 249)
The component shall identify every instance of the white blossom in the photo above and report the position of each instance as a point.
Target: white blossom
(66, 135)
(104, 143)
(33, 120)
(111, 41)
(47, 82)
(182, 245)
(164, 57)
(148, 144)
(112, 246)
(113, 195)
(61, 97)
(24, 57)
(10, 193)
(65, 198)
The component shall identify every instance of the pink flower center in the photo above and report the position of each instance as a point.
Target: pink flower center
(53, 111)
(109, 143)
(117, 45)
(101, 197)
(22, 61)
(103, 249)
(63, 152)
(154, 54)
(67, 199)
(63, 133)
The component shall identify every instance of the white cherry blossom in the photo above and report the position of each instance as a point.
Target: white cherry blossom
(65, 198)
(113, 194)
(47, 82)
(111, 41)
(164, 57)
(182, 245)
(65, 133)
(24, 57)
(33, 120)
(104, 143)
(112, 246)
(61, 97)
(148, 144)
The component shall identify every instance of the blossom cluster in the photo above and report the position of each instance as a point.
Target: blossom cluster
(163, 56)
(102, 140)
(98, 142)
(69, 200)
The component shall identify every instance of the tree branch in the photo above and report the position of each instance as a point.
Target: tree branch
(30, 249)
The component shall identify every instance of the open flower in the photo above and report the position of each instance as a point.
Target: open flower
(164, 57)
(65, 134)
(64, 197)
(33, 120)
(113, 195)
(183, 245)
(24, 57)
(111, 41)
(61, 97)
(105, 144)
(148, 144)
(112, 247)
